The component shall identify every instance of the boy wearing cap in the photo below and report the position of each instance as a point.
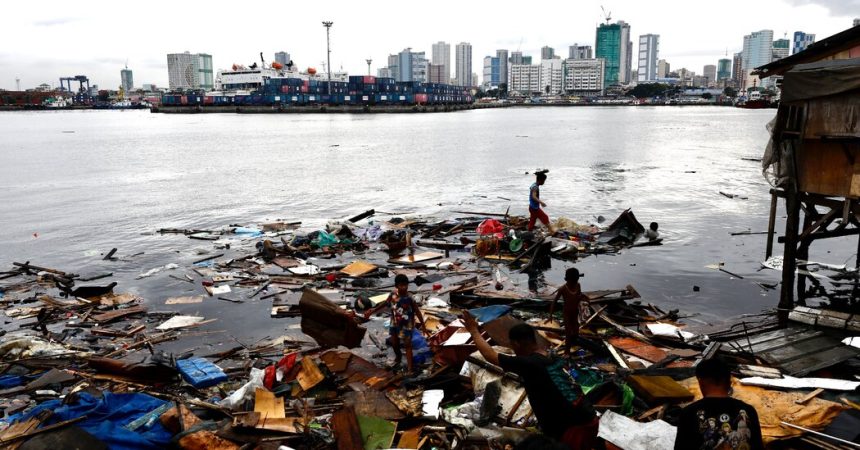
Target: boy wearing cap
(403, 315)
(573, 296)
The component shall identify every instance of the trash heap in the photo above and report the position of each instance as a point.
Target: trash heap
(98, 366)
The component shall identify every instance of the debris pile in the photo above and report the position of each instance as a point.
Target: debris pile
(104, 367)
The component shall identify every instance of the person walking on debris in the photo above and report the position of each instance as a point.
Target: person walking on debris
(561, 409)
(535, 203)
(717, 421)
(404, 311)
(573, 298)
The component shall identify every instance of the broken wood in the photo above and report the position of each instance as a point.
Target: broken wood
(809, 396)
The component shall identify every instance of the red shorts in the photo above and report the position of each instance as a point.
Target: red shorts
(581, 437)
(534, 215)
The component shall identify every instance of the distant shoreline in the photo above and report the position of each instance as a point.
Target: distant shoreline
(323, 109)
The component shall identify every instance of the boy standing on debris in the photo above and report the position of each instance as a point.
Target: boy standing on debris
(561, 409)
(573, 298)
(717, 421)
(535, 203)
(404, 311)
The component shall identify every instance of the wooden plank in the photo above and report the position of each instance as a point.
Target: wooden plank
(418, 257)
(659, 389)
(110, 316)
(269, 406)
(410, 438)
(620, 359)
(347, 434)
(819, 360)
(809, 396)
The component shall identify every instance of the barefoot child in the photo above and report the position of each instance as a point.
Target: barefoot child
(403, 315)
(573, 296)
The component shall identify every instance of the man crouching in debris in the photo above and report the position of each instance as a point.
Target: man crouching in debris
(561, 409)
(717, 421)
(404, 311)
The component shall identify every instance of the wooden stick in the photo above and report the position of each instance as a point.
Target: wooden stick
(809, 396)
(826, 436)
(208, 258)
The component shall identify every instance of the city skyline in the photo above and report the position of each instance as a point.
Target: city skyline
(59, 41)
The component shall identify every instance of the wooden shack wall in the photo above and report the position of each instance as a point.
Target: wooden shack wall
(828, 160)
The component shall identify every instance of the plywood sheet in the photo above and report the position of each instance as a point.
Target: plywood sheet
(269, 406)
(358, 268)
(310, 375)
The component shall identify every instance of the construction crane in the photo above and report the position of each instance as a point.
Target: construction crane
(607, 15)
(262, 60)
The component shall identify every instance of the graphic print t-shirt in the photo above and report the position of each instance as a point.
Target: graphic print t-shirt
(719, 424)
(403, 316)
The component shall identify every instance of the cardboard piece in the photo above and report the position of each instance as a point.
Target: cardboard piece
(310, 374)
(358, 268)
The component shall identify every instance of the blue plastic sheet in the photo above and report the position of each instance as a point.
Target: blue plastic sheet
(489, 313)
(421, 352)
(106, 418)
(247, 232)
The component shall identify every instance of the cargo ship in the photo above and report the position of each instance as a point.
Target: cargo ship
(282, 87)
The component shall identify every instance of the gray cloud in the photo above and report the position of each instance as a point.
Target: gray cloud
(836, 7)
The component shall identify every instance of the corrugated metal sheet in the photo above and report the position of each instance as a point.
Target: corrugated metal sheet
(796, 351)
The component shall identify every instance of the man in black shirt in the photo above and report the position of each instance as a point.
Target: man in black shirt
(717, 421)
(561, 409)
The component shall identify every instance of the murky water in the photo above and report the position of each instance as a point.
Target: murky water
(75, 184)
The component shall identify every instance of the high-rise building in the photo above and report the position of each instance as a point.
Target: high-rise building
(525, 79)
(724, 69)
(781, 48)
(205, 74)
(126, 79)
(420, 67)
(662, 68)
(577, 51)
(737, 69)
(547, 52)
(394, 66)
(801, 41)
(404, 65)
(857, 22)
(527, 59)
(183, 70)
(384, 72)
(613, 45)
(709, 72)
(496, 70)
(441, 56)
(649, 50)
(502, 62)
(463, 64)
(282, 58)
(436, 74)
(516, 58)
(583, 76)
(758, 51)
(552, 76)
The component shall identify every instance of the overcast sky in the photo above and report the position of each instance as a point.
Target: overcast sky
(45, 40)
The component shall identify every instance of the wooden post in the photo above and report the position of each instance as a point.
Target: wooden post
(771, 224)
(789, 263)
(803, 253)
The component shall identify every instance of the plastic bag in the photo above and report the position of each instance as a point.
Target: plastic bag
(491, 226)
(325, 239)
(245, 392)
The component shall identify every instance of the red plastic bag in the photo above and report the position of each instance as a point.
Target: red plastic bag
(491, 226)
